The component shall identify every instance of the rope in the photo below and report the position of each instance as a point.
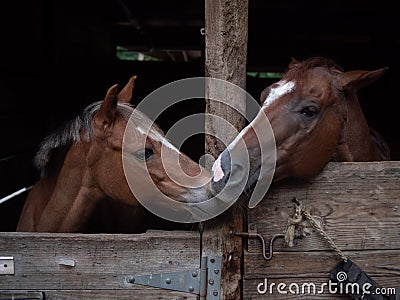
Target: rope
(293, 222)
(298, 217)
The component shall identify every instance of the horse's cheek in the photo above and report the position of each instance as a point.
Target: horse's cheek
(317, 150)
(326, 143)
(106, 170)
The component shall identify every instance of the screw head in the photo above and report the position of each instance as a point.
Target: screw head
(215, 293)
(216, 271)
(191, 289)
(168, 281)
(194, 274)
(211, 281)
(130, 279)
(212, 260)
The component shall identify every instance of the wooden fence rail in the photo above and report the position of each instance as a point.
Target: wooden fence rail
(357, 205)
(78, 266)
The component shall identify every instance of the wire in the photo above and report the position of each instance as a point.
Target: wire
(4, 199)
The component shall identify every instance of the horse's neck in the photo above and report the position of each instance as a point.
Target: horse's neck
(356, 143)
(41, 192)
(35, 203)
(74, 197)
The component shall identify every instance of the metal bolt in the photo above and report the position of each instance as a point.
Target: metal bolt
(130, 279)
(216, 271)
(211, 281)
(191, 289)
(168, 281)
(215, 293)
(194, 274)
(212, 260)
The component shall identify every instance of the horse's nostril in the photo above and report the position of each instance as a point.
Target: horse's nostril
(220, 171)
(217, 186)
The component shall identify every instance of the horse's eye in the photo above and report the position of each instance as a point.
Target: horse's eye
(144, 154)
(309, 111)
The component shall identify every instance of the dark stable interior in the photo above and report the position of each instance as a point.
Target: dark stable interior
(59, 56)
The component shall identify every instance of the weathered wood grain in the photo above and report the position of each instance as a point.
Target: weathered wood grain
(145, 293)
(357, 204)
(225, 58)
(97, 262)
(377, 263)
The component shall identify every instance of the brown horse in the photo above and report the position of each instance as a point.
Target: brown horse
(82, 171)
(315, 117)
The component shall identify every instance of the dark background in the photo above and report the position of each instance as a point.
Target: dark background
(58, 56)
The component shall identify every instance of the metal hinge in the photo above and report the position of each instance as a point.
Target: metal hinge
(6, 265)
(205, 282)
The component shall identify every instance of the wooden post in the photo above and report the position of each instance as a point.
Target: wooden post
(226, 54)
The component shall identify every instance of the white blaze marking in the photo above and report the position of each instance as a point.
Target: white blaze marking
(157, 137)
(242, 133)
(217, 170)
(284, 87)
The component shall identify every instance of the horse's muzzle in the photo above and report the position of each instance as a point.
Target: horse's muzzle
(221, 171)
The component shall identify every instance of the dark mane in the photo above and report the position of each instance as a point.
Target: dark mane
(80, 128)
(296, 70)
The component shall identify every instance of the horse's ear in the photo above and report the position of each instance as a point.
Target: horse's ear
(358, 79)
(108, 108)
(293, 62)
(126, 94)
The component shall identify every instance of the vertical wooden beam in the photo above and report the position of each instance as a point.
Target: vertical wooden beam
(226, 55)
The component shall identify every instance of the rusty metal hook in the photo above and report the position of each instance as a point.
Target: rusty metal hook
(250, 235)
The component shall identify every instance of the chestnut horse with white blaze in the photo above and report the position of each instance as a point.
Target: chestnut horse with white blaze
(82, 170)
(315, 117)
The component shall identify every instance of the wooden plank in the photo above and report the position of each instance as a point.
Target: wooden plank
(377, 263)
(225, 54)
(225, 58)
(358, 206)
(144, 293)
(97, 262)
